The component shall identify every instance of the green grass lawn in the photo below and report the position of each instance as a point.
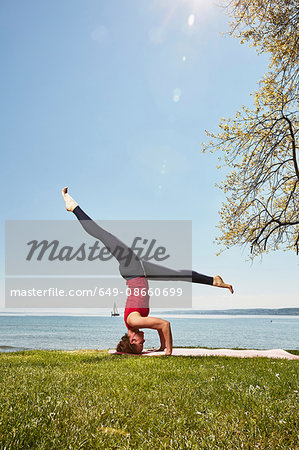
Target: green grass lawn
(92, 400)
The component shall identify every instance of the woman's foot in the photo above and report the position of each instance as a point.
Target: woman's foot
(70, 203)
(218, 282)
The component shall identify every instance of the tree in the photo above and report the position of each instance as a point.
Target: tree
(260, 144)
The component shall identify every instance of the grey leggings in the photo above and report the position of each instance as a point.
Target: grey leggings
(130, 266)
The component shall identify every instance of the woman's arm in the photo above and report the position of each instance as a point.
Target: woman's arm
(168, 338)
(162, 326)
(162, 340)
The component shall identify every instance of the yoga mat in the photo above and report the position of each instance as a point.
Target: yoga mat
(275, 353)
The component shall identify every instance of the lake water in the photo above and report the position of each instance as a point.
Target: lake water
(98, 332)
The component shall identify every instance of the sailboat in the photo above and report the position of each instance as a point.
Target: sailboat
(114, 312)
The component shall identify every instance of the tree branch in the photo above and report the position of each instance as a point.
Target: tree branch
(293, 144)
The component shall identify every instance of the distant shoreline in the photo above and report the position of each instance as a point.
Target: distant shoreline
(249, 311)
(230, 312)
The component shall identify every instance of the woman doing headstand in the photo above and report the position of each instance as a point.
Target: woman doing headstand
(136, 272)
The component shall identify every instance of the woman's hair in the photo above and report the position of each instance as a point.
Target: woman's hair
(125, 346)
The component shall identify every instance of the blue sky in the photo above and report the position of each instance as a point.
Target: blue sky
(112, 99)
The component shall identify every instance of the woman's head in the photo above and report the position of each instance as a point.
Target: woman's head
(131, 342)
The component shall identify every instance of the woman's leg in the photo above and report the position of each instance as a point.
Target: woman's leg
(130, 266)
(157, 272)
